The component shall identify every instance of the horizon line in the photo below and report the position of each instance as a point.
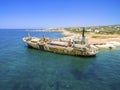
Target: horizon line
(64, 27)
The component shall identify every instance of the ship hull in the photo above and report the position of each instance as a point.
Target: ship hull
(61, 50)
(60, 47)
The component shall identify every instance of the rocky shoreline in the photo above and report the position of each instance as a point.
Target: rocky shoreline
(102, 43)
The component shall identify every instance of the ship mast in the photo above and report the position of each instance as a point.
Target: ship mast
(83, 36)
(28, 33)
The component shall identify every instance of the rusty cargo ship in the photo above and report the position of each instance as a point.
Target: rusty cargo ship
(77, 46)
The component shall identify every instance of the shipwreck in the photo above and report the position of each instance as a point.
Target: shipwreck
(76, 46)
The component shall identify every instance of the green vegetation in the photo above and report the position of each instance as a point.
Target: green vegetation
(95, 36)
(110, 29)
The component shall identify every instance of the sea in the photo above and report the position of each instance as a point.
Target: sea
(23, 68)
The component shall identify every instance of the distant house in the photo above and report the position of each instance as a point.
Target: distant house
(96, 31)
(89, 30)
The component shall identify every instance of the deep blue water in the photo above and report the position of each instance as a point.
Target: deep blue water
(22, 68)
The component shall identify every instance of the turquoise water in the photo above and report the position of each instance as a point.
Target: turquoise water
(22, 68)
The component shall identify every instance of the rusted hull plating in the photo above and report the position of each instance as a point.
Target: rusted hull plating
(60, 50)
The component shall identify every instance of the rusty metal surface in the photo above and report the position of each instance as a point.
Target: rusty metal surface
(42, 44)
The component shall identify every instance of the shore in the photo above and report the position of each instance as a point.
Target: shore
(99, 40)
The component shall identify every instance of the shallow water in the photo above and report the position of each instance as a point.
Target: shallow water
(22, 68)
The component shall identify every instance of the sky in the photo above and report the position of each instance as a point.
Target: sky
(58, 13)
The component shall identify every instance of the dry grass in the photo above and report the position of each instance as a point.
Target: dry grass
(102, 36)
(96, 38)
